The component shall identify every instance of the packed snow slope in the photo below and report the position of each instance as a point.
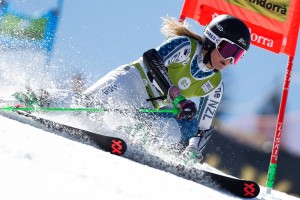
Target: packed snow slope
(37, 164)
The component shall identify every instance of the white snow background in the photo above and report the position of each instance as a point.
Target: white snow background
(39, 165)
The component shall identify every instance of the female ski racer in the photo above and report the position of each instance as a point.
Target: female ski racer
(184, 66)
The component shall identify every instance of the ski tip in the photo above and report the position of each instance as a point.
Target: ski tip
(118, 146)
(251, 190)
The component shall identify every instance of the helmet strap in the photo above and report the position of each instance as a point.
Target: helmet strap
(207, 58)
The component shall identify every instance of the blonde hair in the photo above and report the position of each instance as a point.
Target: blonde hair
(171, 27)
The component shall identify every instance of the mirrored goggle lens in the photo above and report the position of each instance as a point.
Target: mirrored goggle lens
(230, 50)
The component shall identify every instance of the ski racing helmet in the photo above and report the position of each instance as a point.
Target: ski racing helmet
(229, 35)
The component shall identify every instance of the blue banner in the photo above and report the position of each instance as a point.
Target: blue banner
(21, 31)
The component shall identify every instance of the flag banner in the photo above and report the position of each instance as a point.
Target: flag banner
(272, 9)
(19, 30)
(274, 24)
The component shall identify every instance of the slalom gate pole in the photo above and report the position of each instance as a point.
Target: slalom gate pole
(174, 111)
(279, 126)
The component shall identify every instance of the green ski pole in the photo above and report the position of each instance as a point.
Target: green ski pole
(174, 111)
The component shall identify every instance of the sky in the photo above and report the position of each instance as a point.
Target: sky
(37, 164)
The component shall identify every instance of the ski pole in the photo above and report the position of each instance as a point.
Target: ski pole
(173, 111)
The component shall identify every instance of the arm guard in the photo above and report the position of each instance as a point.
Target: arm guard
(157, 69)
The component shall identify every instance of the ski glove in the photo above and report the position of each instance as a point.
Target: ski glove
(39, 98)
(187, 108)
(193, 152)
(191, 156)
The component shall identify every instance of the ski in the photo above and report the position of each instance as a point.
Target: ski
(238, 187)
(110, 144)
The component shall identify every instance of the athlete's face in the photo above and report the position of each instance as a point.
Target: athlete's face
(217, 61)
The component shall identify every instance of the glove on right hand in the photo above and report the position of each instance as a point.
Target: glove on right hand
(187, 108)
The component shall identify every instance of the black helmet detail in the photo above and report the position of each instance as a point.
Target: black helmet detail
(228, 27)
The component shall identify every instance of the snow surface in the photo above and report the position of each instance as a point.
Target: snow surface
(37, 164)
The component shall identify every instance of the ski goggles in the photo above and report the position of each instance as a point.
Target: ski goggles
(230, 50)
(226, 48)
